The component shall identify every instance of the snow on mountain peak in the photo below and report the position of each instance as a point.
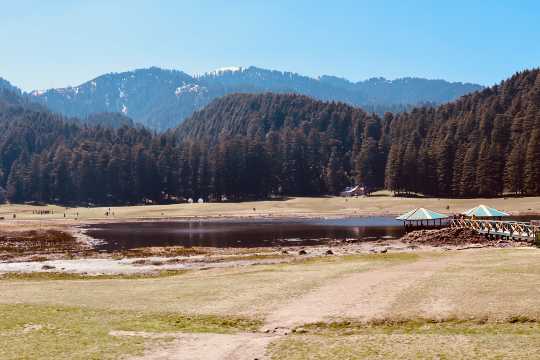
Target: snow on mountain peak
(223, 70)
(189, 88)
(228, 68)
(38, 92)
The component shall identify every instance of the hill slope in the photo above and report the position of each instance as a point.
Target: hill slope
(485, 143)
(161, 99)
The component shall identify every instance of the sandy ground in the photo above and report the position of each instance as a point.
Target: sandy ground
(294, 207)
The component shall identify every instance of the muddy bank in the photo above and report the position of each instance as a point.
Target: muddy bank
(14, 244)
(152, 260)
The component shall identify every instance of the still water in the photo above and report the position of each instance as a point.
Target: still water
(242, 233)
(247, 233)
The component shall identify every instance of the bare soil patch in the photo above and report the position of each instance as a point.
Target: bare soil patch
(455, 237)
(38, 242)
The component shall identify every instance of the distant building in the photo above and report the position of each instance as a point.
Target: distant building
(357, 190)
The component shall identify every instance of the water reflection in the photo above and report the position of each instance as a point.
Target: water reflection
(254, 233)
(247, 233)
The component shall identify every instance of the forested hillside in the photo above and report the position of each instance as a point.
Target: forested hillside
(255, 145)
(46, 158)
(311, 147)
(484, 144)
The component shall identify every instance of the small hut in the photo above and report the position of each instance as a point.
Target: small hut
(354, 191)
(421, 218)
(483, 211)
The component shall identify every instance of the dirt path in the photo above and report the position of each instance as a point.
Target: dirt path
(363, 296)
(245, 346)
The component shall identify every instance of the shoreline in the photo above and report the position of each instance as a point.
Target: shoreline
(99, 264)
(51, 218)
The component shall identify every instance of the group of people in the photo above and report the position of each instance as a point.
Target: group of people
(42, 212)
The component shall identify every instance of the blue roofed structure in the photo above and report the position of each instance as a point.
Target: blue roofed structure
(483, 211)
(420, 214)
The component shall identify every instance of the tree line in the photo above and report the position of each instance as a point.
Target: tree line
(253, 146)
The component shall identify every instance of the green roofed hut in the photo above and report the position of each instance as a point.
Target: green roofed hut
(483, 211)
(422, 218)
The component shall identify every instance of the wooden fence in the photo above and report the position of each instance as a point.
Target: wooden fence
(501, 229)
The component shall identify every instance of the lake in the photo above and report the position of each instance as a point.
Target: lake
(242, 233)
(246, 233)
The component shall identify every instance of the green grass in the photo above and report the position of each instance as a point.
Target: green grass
(54, 332)
(387, 257)
(44, 276)
(391, 257)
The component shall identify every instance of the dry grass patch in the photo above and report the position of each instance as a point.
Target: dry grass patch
(501, 345)
(293, 207)
(513, 325)
(516, 338)
(494, 284)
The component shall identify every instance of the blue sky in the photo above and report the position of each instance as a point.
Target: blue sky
(59, 42)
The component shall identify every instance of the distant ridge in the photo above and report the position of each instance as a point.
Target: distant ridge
(161, 99)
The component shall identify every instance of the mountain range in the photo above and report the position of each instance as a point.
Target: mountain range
(161, 99)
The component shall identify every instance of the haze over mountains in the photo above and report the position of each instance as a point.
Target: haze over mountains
(161, 99)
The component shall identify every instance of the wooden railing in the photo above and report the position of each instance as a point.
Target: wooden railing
(505, 229)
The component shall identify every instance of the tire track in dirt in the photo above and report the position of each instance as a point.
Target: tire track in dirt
(362, 296)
